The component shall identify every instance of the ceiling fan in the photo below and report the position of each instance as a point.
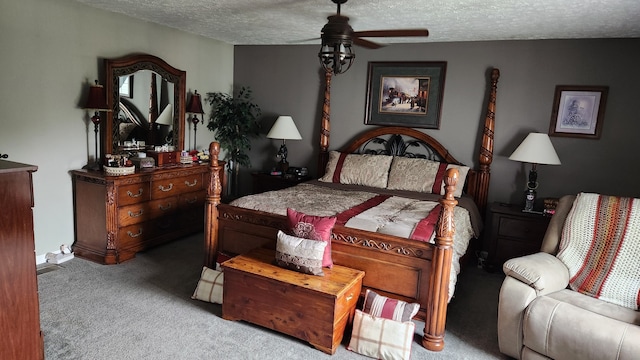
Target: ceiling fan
(338, 36)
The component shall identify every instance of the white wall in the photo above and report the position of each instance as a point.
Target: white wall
(50, 50)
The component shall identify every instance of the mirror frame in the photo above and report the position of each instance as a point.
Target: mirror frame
(127, 65)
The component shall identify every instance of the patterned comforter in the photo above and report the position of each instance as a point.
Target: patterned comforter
(397, 215)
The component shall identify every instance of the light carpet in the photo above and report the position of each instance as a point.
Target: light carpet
(142, 309)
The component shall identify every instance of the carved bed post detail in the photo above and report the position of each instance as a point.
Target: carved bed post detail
(486, 147)
(214, 189)
(438, 291)
(325, 128)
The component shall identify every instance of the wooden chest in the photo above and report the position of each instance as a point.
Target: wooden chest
(312, 308)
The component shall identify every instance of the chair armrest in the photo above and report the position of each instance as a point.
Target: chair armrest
(543, 272)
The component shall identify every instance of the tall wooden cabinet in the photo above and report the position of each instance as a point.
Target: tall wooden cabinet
(118, 216)
(20, 335)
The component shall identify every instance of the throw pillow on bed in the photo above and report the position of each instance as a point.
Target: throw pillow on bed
(298, 254)
(381, 338)
(313, 228)
(423, 175)
(209, 287)
(357, 169)
(384, 307)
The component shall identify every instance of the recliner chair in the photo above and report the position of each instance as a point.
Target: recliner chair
(540, 317)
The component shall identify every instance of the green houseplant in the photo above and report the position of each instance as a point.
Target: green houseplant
(235, 122)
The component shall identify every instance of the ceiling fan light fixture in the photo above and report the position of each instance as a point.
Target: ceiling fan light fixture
(336, 57)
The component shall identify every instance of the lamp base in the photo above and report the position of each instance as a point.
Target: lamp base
(283, 166)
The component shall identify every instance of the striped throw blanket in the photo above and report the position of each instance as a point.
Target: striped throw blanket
(600, 245)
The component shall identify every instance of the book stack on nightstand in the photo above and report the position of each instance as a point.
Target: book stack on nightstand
(266, 182)
(512, 233)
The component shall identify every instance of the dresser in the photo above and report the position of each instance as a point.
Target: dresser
(118, 216)
(20, 337)
(513, 233)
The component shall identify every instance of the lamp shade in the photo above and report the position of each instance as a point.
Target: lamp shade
(284, 128)
(195, 104)
(536, 149)
(97, 99)
(166, 116)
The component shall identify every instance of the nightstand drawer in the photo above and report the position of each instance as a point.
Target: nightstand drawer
(525, 229)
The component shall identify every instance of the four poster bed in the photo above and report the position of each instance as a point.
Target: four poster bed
(401, 266)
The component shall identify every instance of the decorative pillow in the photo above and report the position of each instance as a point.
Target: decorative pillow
(423, 175)
(313, 228)
(209, 287)
(384, 307)
(356, 169)
(600, 247)
(298, 254)
(381, 338)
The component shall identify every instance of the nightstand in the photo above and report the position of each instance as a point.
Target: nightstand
(265, 182)
(512, 233)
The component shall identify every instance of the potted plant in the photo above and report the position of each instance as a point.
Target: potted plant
(234, 120)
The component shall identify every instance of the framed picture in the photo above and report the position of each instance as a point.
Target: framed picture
(578, 111)
(126, 86)
(405, 94)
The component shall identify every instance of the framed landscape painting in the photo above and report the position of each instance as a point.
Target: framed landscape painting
(405, 94)
(578, 111)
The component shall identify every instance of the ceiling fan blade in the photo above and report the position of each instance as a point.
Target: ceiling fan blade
(366, 43)
(392, 33)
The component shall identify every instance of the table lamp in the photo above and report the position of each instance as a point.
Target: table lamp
(284, 128)
(535, 149)
(96, 101)
(195, 107)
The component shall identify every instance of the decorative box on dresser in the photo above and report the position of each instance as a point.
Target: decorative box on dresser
(118, 216)
(512, 233)
(20, 335)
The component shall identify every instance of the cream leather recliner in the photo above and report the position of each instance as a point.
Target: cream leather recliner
(539, 317)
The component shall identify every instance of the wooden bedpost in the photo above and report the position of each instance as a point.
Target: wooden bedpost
(486, 147)
(214, 191)
(325, 128)
(438, 292)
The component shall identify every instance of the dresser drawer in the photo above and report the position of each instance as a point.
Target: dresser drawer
(163, 207)
(192, 200)
(521, 228)
(133, 214)
(134, 193)
(134, 235)
(174, 186)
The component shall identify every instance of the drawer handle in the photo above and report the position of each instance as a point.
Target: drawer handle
(135, 215)
(349, 297)
(165, 189)
(134, 235)
(194, 183)
(192, 201)
(135, 195)
(165, 208)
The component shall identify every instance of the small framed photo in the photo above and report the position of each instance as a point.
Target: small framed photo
(578, 111)
(405, 94)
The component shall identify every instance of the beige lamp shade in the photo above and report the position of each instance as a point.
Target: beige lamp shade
(284, 128)
(536, 149)
(166, 116)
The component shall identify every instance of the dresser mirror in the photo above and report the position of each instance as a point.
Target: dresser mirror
(147, 99)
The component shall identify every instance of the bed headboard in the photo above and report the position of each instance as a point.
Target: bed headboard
(403, 141)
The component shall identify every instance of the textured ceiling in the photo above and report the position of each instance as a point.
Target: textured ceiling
(269, 22)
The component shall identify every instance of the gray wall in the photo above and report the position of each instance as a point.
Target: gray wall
(51, 50)
(287, 80)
